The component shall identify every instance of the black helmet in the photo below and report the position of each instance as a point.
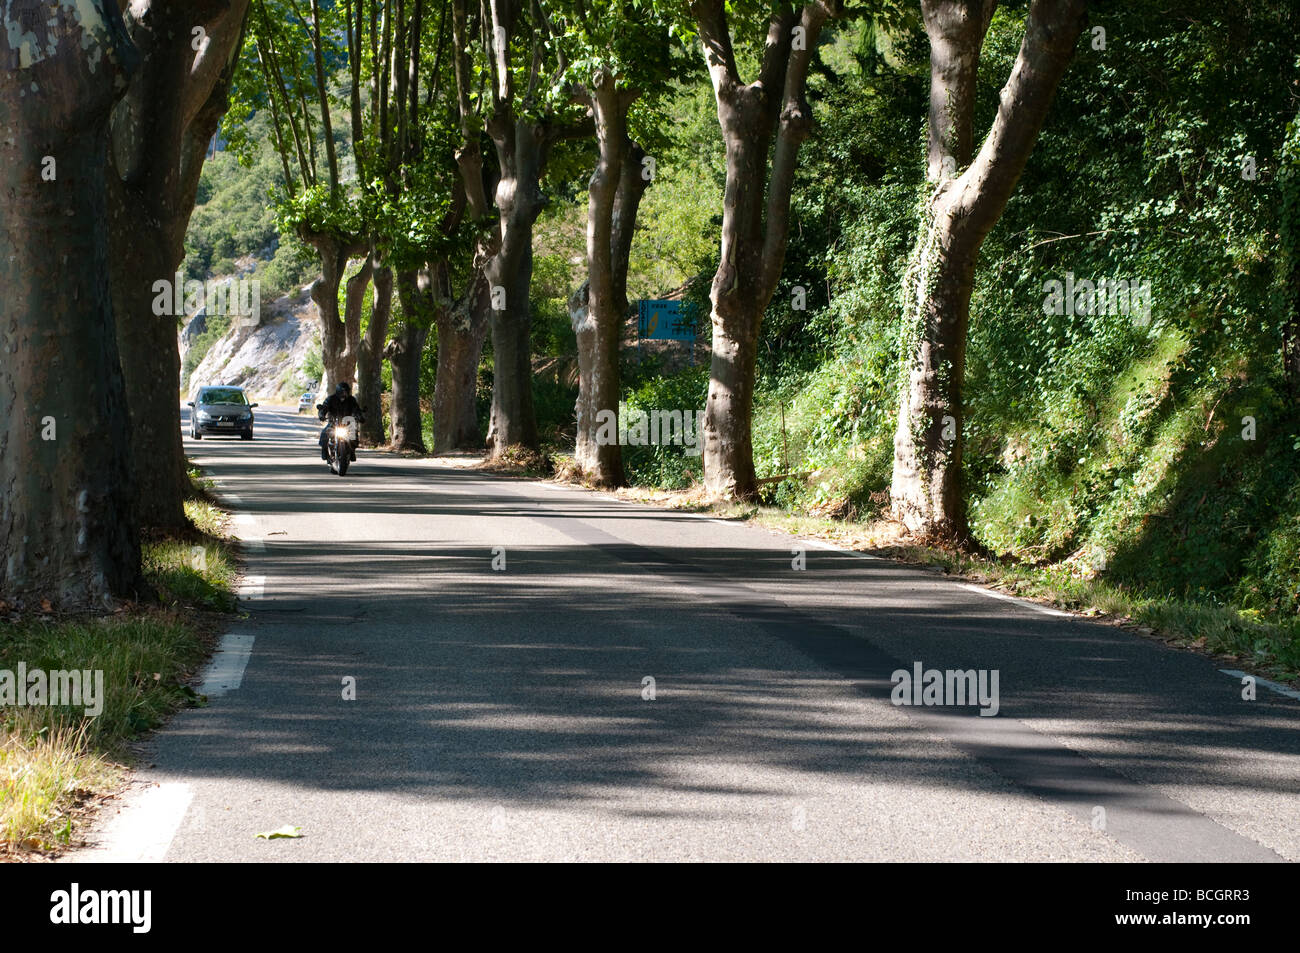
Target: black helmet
(343, 388)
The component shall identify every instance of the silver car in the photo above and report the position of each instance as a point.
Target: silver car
(221, 410)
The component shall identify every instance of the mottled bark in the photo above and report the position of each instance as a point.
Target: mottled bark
(416, 291)
(522, 140)
(67, 526)
(770, 116)
(522, 148)
(160, 135)
(370, 358)
(926, 490)
(340, 334)
(462, 329)
(598, 308)
(461, 333)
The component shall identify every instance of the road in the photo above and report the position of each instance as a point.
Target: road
(506, 714)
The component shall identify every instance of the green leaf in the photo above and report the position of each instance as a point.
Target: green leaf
(286, 831)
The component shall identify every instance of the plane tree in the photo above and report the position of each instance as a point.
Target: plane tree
(764, 122)
(67, 524)
(526, 114)
(159, 138)
(293, 52)
(612, 62)
(966, 194)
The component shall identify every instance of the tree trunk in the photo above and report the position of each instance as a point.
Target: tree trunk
(926, 491)
(67, 526)
(461, 334)
(755, 216)
(510, 273)
(160, 135)
(354, 300)
(404, 352)
(370, 383)
(739, 300)
(598, 308)
(151, 369)
(340, 335)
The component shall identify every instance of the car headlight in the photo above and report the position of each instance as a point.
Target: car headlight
(248, 415)
(204, 415)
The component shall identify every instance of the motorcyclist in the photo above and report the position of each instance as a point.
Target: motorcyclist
(338, 406)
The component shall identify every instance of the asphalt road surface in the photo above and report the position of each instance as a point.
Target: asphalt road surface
(500, 635)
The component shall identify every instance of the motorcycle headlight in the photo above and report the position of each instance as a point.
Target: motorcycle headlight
(341, 432)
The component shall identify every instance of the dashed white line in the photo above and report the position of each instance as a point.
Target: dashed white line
(225, 673)
(143, 830)
(993, 594)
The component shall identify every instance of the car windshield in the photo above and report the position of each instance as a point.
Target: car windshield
(222, 395)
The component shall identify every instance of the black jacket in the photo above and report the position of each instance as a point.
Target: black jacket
(336, 408)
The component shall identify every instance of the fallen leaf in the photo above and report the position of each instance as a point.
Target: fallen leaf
(286, 831)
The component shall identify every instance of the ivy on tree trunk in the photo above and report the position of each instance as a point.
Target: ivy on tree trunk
(965, 201)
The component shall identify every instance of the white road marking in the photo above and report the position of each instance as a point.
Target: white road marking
(253, 587)
(1271, 686)
(243, 519)
(225, 673)
(993, 594)
(143, 830)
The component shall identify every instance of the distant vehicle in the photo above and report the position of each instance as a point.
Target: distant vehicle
(221, 410)
(305, 401)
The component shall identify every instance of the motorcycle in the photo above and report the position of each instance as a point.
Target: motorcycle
(340, 441)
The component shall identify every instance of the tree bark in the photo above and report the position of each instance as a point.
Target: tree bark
(370, 384)
(415, 290)
(755, 217)
(160, 135)
(461, 334)
(67, 526)
(926, 491)
(598, 308)
(521, 147)
(340, 335)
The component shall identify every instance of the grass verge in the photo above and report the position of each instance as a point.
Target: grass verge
(58, 762)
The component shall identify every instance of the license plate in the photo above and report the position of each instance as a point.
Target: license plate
(225, 423)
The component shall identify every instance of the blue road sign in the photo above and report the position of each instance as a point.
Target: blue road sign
(666, 320)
